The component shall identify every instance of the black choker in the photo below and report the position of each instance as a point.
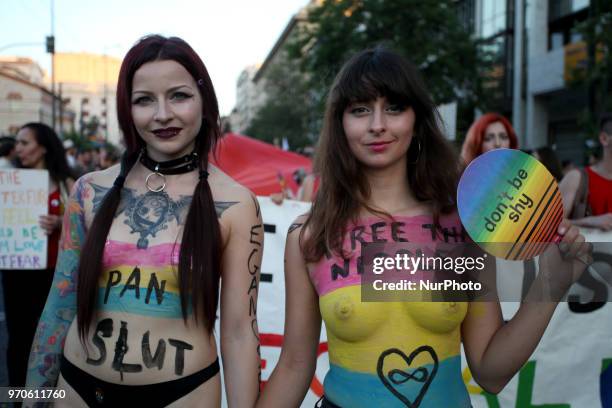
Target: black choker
(181, 165)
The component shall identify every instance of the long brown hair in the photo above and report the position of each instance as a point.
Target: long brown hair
(200, 251)
(433, 169)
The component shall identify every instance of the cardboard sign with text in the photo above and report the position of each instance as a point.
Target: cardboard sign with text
(23, 199)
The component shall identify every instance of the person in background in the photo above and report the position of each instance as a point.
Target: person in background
(84, 161)
(309, 188)
(25, 291)
(95, 157)
(547, 156)
(587, 192)
(304, 193)
(109, 156)
(8, 154)
(567, 165)
(70, 152)
(593, 157)
(488, 132)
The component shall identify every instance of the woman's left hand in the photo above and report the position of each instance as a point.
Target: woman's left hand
(49, 223)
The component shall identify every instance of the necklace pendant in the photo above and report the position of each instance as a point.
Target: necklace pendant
(151, 187)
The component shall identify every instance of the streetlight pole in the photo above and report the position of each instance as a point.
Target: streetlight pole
(106, 104)
(105, 96)
(52, 51)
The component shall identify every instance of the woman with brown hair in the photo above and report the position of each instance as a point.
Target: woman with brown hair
(488, 132)
(387, 175)
(130, 317)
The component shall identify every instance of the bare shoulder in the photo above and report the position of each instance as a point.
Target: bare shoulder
(297, 234)
(232, 200)
(90, 188)
(296, 226)
(103, 178)
(571, 179)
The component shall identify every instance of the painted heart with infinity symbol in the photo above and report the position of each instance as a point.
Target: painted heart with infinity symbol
(394, 378)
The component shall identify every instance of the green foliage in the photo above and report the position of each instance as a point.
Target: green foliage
(92, 126)
(78, 139)
(287, 111)
(429, 33)
(594, 76)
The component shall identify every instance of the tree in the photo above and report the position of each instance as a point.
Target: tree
(429, 33)
(78, 139)
(287, 110)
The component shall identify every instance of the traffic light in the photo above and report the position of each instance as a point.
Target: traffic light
(50, 44)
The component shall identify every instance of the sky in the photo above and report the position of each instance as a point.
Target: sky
(228, 35)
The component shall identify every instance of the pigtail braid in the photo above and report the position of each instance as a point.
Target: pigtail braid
(200, 254)
(90, 262)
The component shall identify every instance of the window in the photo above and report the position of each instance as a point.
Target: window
(563, 18)
(500, 80)
(496, 32)
(495, 16)
(562, 8)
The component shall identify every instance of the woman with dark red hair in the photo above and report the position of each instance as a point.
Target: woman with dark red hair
(490, 131)
(131, 314)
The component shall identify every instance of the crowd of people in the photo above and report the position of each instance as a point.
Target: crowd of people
(152, 247)
(90, 156)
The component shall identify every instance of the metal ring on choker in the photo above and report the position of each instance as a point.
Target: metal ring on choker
(181, 165)
(153, 189)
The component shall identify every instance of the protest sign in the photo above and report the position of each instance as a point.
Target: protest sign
(23, 199)
(509, 204)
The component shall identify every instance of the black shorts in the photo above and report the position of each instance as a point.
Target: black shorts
(98, 393)
(325, 403)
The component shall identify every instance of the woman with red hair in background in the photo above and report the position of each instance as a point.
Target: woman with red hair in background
(488, 132)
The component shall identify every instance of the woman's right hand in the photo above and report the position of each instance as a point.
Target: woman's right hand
(292, 375)
(49, 223)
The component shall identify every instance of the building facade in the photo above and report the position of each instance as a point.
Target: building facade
(535, 45)
(24, 97)
(251, 85)
(88, 82)
(249, 97)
